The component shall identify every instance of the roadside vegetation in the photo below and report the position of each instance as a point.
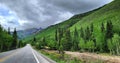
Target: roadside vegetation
(56, 57)
(67, 59)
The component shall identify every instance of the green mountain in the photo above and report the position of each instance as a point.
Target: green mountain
(109, 12)
(109, 15)
(50, 31)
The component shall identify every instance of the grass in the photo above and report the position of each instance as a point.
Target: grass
(67, 59)
(108, 12)
(56, 57)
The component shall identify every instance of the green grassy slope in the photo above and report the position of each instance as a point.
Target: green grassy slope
(110, 12)
(50, 31)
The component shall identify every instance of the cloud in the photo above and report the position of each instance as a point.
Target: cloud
(42, 13)
(7, 18)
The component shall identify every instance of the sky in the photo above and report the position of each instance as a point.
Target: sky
(25, 14)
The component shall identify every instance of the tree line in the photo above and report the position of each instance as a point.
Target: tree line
(9, 40)
(88, 39)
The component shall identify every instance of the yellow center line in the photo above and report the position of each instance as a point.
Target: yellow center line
(6, 57)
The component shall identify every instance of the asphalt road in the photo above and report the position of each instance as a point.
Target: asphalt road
(24, 55)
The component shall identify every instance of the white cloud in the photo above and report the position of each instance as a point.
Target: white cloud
(22, 22)
(64, 16)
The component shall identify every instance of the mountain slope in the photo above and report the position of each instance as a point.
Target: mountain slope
(25, 33)
(110, 12)
(50, 31)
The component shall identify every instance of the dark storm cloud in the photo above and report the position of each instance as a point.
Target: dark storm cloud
(42, 13)
(77, 6)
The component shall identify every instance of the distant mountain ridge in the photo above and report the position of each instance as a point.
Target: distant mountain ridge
(25, 33)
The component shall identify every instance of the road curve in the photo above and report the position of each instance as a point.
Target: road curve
(24, 55)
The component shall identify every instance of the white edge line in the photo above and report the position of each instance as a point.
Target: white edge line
(35, 57)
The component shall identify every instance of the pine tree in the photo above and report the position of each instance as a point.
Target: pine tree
(34, 39)
(56, 35)
(103, 39)
(82, 33)
(94, 40)
(108, 34)
(14, 45)
(87, 34)
(0, 28)
(60, 35)
(102, 27)
(75, 40)
(109, 30)
(91, 28)
(9, 30)
(91, 31)
(44, 41)
(1, 42)
(67, 40)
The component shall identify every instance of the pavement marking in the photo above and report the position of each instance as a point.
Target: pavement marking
(6, 57)
(35, 56)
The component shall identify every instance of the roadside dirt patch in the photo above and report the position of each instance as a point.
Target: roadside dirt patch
(93, 57)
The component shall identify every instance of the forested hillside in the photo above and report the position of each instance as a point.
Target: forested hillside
(104, 27)
(50, 31)
(8, 41)
(95, 31)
